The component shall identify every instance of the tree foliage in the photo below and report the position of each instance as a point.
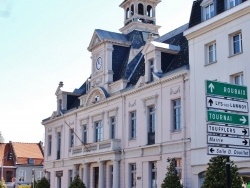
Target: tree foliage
(172, 179)
(43, 183)
(77, 183)
(2, 184)
(216, 174)
(1, 138)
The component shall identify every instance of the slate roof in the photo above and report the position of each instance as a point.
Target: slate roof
(24, 151)
(125, 67)
(196, 12)
(108, 35)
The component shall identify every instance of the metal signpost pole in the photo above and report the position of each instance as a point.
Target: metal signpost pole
(228, 172)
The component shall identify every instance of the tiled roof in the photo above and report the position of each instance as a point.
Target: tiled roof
(24, 151)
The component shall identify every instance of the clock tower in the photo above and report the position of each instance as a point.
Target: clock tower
(140, 15)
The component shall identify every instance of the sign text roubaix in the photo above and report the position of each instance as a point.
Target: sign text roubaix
(232, 141)
(227, 118)
(227, 104)
(236, 152)
(227, 130)
(226, 90)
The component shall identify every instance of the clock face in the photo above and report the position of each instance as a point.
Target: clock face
(98, 63)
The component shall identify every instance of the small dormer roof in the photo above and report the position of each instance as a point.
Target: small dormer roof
(101, 36)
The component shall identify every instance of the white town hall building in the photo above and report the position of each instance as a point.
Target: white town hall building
(144, 101)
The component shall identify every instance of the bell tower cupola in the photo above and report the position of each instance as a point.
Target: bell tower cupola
(139, 15)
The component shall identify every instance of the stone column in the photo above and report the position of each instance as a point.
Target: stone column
(86, 173)
(116, 178)
(101, 175)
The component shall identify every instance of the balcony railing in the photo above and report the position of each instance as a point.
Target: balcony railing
(104, 146)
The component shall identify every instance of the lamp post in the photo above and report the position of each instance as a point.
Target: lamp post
(2, 169)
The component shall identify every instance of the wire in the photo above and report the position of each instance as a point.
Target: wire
(74, 132)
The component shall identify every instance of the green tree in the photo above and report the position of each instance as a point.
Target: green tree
(2, 184)
(216, 174)
(77, 183)
(43, 183)
(1, 138)
(172, 179)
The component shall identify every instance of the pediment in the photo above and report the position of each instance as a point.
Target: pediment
(95, 41)
(148, 48)
(96, 95)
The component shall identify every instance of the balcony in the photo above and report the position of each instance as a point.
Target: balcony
(96, 147)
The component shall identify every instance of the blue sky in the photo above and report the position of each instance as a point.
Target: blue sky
(43, 42)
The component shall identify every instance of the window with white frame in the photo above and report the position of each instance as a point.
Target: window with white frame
(209, 11)
(153, 174)
(39, 175)
(176, 108)
(233, 3)
(98, 131)
(112, 127)
(71, 138)
(238, 79)
(49, 144)
(58, 154)
(211, 53)
(178, 167)
(151, 69)
(236, 43)
(151, 119)
(84, 134)
(22, 176)
(70, 176)
(133, 125)
(133, 175)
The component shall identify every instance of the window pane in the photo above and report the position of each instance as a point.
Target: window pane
(177, 114)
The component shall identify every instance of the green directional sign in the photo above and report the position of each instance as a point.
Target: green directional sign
(226, 90)
(227, 118)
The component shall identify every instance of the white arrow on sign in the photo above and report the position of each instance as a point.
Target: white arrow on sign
(236, 152)
(227, 104)
(243, 119)
(211, 87)
(227, 130)
(231, 141)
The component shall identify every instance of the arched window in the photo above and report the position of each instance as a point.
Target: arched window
(149, 11)
(132, 10)
(127, 13)
(140, 9)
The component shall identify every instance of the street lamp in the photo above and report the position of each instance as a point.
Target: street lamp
(2, 169)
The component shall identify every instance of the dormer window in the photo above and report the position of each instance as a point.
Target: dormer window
(208, 9)
(151, 63)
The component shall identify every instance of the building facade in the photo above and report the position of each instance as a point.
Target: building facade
(218, 38)
(119, 128)
(21, 163)
(144, 101)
